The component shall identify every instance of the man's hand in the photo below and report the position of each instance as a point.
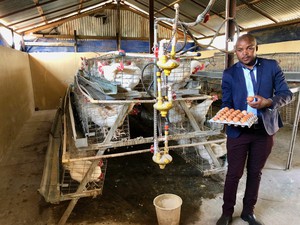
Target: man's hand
(260, 102)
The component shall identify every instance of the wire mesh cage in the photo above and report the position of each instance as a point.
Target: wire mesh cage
(288, 112)
(136, 72)
(72, 174)
(96, 119)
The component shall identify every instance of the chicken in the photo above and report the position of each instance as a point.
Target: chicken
(84, 67)
(219, 149)
(178, 78)
(103, 116)
(128, 76)
(201, 150)
(184, 142)
(200, 110)
(176, 115)
(78, 170)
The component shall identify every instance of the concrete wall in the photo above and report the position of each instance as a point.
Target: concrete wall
(51, 75)
(16, 98)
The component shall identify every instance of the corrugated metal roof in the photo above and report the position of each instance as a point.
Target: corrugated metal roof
(26, 15)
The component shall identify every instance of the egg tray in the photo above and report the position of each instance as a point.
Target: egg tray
(248, 123)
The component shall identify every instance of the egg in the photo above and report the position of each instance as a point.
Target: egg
(229, 119)
(236, 119)
(250, 99)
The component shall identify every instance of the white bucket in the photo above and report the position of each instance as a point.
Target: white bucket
(168, 207)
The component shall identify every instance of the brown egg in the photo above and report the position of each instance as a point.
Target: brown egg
(236, 119)
(241, 115)
(222, 118)
(250, 99)
(227, 113)
(229, 119)
(243, 120)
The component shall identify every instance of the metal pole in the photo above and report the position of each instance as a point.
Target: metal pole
(75, 39)
(229, 30)
(151, 25)
(294, 134)
(118, 35)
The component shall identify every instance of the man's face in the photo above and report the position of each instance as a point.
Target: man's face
(246, 52)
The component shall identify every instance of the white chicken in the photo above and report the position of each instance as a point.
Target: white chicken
(219, 149)
(200, 110)
(176, 115)
(127, 76)
(201, 150)
(78, 170)
(183, 142)
(103, 116)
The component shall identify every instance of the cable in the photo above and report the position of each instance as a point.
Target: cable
(142, 79)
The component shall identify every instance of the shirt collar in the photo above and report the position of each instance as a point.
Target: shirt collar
(244, 67)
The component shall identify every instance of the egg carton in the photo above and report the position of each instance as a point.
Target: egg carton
(248, 123)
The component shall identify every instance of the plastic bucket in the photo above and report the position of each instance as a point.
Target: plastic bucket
(168, 207)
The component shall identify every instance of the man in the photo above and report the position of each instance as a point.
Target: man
(264, 80)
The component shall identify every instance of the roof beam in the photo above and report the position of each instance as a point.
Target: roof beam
(274, 25)
(60, 21)
(49, 13)
(251, 6)
(30, 7)
(40, 10)
(168, 6)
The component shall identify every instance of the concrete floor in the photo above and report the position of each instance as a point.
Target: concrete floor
(279, 196)
(21, 172)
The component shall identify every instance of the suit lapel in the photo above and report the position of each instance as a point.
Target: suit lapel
(259, 74)
(241, 86)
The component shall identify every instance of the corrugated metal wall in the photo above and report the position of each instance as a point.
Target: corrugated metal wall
(132, 26)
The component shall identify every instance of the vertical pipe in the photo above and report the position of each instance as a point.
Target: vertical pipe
(75, 39)
(151, 25)
(12, 38)
(229, 30)
(294, 134)
(118, 35)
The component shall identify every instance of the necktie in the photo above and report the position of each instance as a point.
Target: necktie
(253, 82)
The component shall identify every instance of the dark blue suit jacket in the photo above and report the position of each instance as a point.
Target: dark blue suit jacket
(271, 84)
